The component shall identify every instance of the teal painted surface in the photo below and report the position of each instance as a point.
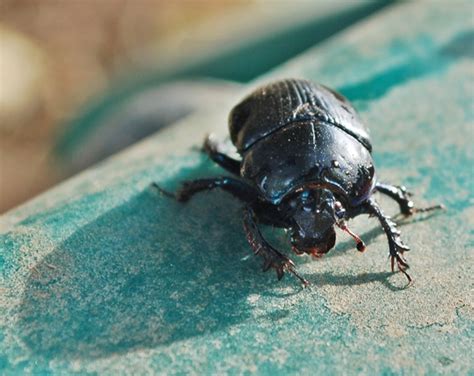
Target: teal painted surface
(104, 275)
(434, 59)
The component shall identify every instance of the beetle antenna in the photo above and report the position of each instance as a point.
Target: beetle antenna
(360, 243)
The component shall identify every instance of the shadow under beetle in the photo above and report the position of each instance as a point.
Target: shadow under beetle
(306, 166)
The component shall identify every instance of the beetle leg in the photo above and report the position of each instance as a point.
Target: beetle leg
(271, 257)
(211, 148)
(402, 197)
(395, 243)
(236, 187)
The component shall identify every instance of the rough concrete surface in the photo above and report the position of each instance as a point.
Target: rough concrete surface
(104, 275)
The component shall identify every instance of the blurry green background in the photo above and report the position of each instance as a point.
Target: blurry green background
(67, 68)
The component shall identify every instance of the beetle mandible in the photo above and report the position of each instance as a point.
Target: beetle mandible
(306, 166)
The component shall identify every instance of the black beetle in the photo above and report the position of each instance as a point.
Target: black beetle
(306, 167)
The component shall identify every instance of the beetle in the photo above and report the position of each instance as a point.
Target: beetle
(306, 166)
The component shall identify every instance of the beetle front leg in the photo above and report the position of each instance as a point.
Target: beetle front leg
(402, 197)
(395, 243)
(271, 257)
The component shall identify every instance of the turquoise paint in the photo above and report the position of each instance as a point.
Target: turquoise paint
(95, 249)
(431, 60)
(4, 364)
(105, 276)
(66, 213)
(452, 168)
(115, 271)
(10, 246)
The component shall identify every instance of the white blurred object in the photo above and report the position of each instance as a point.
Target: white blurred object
(22, 77)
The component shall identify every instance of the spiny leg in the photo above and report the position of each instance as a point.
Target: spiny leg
(402, 197)
(395, 243)
(271, 257)
(211, 148)
(236, 187)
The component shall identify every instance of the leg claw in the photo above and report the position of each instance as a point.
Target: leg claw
(281, 264)
(402, 264)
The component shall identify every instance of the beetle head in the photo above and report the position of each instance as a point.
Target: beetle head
(312, 214)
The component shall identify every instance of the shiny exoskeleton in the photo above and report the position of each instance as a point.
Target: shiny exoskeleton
(306, 166)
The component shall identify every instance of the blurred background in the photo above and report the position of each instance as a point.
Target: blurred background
(83, 79)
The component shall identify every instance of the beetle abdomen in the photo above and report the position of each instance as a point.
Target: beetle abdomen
(273, 106)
